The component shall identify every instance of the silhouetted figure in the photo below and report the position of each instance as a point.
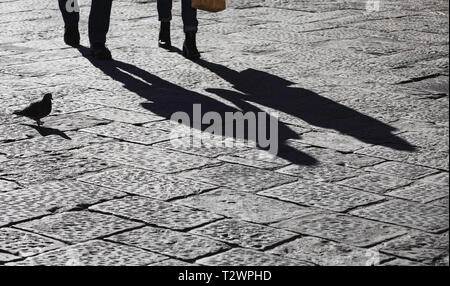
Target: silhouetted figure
(257, 87)
(99, 20)
(274, 92)
(166, 98)
(37, 110)
(190, 23)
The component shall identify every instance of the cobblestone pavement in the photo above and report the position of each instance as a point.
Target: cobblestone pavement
(361, 93)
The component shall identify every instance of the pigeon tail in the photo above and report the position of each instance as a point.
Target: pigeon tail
(18, 112)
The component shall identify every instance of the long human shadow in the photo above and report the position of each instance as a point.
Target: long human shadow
(166, 98)
(274, 92)
(47, 131)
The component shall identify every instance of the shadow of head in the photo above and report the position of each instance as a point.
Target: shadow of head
(166, 99)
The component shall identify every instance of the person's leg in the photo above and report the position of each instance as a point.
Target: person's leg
(189, 16)
(99, 19)
(71, 17)
(164, 10)
(164, 16)
(68, 9)
(190, 24)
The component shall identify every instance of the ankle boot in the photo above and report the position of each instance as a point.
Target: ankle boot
(100, 52)
(164, 36)
(72, 36)
(190, 50)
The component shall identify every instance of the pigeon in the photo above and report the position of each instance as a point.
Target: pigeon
(37, 110)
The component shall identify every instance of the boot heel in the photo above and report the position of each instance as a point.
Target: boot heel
(190, 50)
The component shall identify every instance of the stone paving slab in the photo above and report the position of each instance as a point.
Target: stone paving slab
(156, 212)
(434, 138)
(239, 177)
(73, 121)
(38, 200)
(20, 213)
(13, 132)
(420, 192)
(42, 68)
(443, 260)
(146, 183)
(6, 186)
(123, 103)
(25, 244)
(78, 226)
(255, 158)
(59, 194)
(322, 195)
(441, 203)
(402, 262)
(332, 141)
(208, 146)
(417, 246)
(129, 133)
(434, 159)
(173, 262)
(406, 171)
(438, 85)
(5, 257)
(409, 214)
(71, 106)
(325, 252)
(375, 183)
(20, 98)
(182, 218)
(343, 159)
(321, 172)
(361, 176)
(51, 143)
(430, 115)
(245, 206)
(171, 243)
(154, 159)
(57, 166)
(244, 234)
(342, 228)
(248, 257)
(93, 253)
(123, 115)
(438, 179)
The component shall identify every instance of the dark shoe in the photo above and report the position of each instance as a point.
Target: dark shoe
(190, 50)
(100, 52)
(164, 36)
(72, 36)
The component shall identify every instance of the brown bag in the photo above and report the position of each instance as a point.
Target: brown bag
(209, 5)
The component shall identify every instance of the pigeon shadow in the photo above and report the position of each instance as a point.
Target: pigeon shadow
(166, 98)
(46, 131)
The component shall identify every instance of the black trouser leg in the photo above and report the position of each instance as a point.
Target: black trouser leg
(99, 20)
(70, 16)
